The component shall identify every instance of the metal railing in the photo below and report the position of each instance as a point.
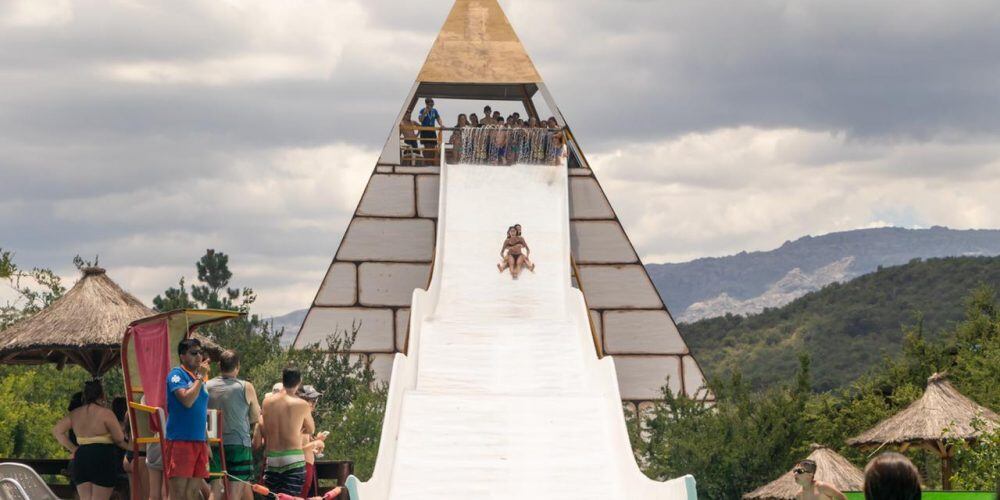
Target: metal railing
(487, 145)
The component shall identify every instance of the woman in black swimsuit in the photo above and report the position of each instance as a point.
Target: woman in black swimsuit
(96, 459)
(513, 253)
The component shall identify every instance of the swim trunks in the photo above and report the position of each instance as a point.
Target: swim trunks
(239, 461)
(94, 463)
(286, 471)
(186, 459)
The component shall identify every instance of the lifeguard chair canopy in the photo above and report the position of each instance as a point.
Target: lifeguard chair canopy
(169, 329)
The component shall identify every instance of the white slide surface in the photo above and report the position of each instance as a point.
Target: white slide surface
(502, 395)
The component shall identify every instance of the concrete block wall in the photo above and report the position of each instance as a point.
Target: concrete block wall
(387, 251)
(632, 322)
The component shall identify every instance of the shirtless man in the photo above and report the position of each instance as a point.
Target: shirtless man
(286, 418)
(805, 476)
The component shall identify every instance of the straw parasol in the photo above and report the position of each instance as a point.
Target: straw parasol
(830, 468)
(83, 327)
(941, 415)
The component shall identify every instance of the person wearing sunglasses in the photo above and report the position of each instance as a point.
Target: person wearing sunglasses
(186, 451)
(805, 476)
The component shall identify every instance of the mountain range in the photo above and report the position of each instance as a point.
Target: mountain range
(846, 328)
(749, 282)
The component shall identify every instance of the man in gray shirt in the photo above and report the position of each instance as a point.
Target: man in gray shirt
(237, 399)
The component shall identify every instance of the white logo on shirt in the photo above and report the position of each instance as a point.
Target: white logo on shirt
(175, 379)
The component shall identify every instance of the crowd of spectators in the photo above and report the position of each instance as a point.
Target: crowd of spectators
(491, 139)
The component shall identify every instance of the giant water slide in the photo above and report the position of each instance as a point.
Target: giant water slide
(501, 394)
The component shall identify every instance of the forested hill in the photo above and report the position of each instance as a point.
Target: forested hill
(846, 327)
(748, 282)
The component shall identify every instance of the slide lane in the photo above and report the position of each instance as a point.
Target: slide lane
(502, 395)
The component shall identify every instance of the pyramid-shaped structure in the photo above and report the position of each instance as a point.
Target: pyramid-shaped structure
(388, 248)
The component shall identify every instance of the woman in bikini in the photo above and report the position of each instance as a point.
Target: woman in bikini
(456, 139)
(527, 261)
(99, 435)
(512, 254)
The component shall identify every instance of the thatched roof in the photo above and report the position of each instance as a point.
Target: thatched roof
(83, 327)
(830, 468)
(941, 413)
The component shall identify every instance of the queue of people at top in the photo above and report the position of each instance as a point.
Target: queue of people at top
(492, 139)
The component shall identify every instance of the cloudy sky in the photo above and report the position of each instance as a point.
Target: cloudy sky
(148, 131)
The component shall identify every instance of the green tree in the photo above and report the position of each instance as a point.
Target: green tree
(33, 289)
(742, 441)
(978, 461)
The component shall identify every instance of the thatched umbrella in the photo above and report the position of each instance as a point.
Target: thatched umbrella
(83, 327)
(940, 416)
(830, 468)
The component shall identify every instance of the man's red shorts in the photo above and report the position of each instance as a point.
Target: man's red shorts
(185, 459)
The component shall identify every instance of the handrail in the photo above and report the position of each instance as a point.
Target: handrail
(590, 319)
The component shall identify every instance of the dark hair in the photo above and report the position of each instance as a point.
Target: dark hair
(75, 401)
(290, 377)
(185, 345)
(93, 391)
(808, 465)
(487, 107)
(891, 476)
(119, 406)
(229, 360)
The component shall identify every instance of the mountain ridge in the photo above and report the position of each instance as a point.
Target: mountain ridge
(747, 276)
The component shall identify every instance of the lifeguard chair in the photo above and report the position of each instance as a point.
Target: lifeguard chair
(149, 350)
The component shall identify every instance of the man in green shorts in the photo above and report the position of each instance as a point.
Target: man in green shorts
(237, 399)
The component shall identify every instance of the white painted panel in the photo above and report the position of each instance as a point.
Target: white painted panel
(340, 286)
(618, 287)
(694, 380)
(641, 332)
(390, 284)
(381, 364)
(375, 334)
(427, 195)
(586, 201)
(642, 377)
(388, 196)
(388, 240)
(601, 242)
(402, 327)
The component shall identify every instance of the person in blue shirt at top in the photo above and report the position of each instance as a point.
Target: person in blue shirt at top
(186, 452)
(428, 117)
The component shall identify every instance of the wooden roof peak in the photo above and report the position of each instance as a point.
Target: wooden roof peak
(477, 45)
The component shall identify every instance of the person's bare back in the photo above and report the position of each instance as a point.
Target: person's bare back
(286, 418)
(819, 491)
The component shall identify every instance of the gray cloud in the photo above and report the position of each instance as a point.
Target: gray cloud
(148, 131)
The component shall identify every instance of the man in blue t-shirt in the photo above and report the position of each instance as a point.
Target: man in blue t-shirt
(186, 452)
(428, 117)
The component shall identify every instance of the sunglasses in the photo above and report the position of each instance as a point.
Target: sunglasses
(194, 353)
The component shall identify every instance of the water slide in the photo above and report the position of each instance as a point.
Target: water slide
(502, 395)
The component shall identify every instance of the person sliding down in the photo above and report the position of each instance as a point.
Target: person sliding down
(286, 418)
(512, 254)
(527, 261)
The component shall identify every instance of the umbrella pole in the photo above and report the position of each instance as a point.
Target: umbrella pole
(945, 465)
